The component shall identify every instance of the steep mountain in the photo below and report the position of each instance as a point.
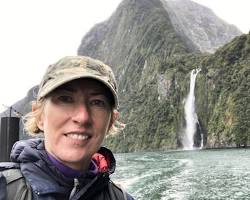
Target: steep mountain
(152, 51)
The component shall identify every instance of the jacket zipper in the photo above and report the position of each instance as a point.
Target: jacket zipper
(75, 188)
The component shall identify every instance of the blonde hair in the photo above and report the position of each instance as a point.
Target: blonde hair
(30, 120)
(116, 128)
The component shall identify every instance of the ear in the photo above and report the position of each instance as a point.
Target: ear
(114, 117)
(39, 117)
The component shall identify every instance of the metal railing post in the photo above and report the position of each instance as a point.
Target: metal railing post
(8, 136)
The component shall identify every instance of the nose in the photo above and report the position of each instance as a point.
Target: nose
(82, 115)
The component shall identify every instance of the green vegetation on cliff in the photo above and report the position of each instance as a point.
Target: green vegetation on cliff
(229, 94)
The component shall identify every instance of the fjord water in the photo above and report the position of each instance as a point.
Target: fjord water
(185, 175)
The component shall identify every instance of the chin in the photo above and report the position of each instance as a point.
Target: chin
(76, 156)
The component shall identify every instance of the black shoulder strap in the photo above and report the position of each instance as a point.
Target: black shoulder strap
(116, 191)
(14, 186)
(2, 187)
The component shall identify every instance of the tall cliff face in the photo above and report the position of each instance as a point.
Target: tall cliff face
(198, 23)
(225, 89)
(152, 51)
(137, 29)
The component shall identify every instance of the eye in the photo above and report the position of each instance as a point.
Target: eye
(65, 98)
(98, 102)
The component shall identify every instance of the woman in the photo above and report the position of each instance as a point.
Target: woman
(76, 108)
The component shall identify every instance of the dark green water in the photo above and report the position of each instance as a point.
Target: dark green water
(184, 175)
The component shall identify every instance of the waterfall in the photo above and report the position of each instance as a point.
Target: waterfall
(190, 114)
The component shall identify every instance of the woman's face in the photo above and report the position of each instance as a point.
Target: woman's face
(75, 120)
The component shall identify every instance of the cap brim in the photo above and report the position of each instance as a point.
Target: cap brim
(53, 84)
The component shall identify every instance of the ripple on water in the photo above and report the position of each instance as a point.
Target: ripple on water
(185, 175)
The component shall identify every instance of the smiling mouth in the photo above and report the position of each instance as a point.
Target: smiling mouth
(78, 136)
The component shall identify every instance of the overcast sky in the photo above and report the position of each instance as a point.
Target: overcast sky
(36, 33)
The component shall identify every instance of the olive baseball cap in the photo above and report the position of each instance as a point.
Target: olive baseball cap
(74, 67)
